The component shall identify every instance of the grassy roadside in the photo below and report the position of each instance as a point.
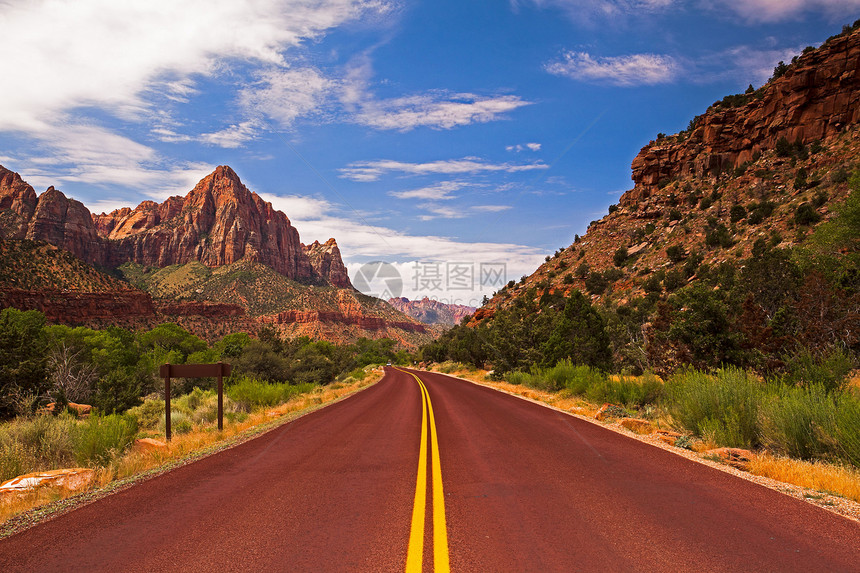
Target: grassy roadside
(821, 479)
(197, 440)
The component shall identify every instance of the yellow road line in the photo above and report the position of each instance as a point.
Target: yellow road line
(415, 553)
(440, 527)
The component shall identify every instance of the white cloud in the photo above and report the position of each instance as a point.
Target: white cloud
(439, 110)
(233, 136)
(230, 137)
(73, 61)
(58, 51)
(373, 170)
(439, 192)
(98, 156)
(522, 147)
(298, 207)
(777, 10)
(286, 94)
(435, 211)
(632, 70)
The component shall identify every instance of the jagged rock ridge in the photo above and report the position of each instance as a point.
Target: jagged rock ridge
(219, 222)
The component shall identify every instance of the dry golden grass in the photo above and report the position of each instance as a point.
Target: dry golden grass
(820, 476)
(560, 400)
(194, 443)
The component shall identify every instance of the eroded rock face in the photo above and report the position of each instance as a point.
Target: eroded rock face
(79, 307)
(219, 222)
(327, 264)
(17, 204)
(67, 224)
(814, 100)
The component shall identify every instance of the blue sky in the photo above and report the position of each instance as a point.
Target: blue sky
(418, 133)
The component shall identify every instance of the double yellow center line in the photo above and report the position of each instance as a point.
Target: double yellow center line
(415, 553)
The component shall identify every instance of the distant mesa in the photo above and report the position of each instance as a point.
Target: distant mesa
(431, 311)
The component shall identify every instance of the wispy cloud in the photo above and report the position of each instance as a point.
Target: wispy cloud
(631, 70)
(439, 192)
(588, 11)
(523, 147)
(286, 94)
(68, 88)
(230, 137)
(319, 219)
(436, 109)
(99, 156)
(779, 10)
(742, 63)
(373, 170)
(491, 208)
(436, 211)
(164, 45)
(441, 212)
(439, 110)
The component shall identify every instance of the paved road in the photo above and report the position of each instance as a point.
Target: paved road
(507, 486)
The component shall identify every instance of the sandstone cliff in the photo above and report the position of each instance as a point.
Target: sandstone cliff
(815, 99)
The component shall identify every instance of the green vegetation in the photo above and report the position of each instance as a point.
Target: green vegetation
(113, 369)
(48, 442)
(757, 351)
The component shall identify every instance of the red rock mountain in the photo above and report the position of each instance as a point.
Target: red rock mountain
(219, 222)
(727, 173)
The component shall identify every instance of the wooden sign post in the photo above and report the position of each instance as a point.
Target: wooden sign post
(218, 371)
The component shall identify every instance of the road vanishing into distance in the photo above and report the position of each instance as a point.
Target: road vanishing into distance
(426, 472)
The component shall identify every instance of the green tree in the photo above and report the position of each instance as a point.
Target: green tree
(620, 256)
(580, 336)
(24, 373)
(701, 323)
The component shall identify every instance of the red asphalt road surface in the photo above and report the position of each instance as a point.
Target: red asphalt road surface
(526, 488)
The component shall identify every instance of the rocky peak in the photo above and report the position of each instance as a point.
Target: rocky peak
(17, 204)
(67, 224)
(219, 222)
(327, 263)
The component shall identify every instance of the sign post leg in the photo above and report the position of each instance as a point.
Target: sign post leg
(167, 407)
(220, 396)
